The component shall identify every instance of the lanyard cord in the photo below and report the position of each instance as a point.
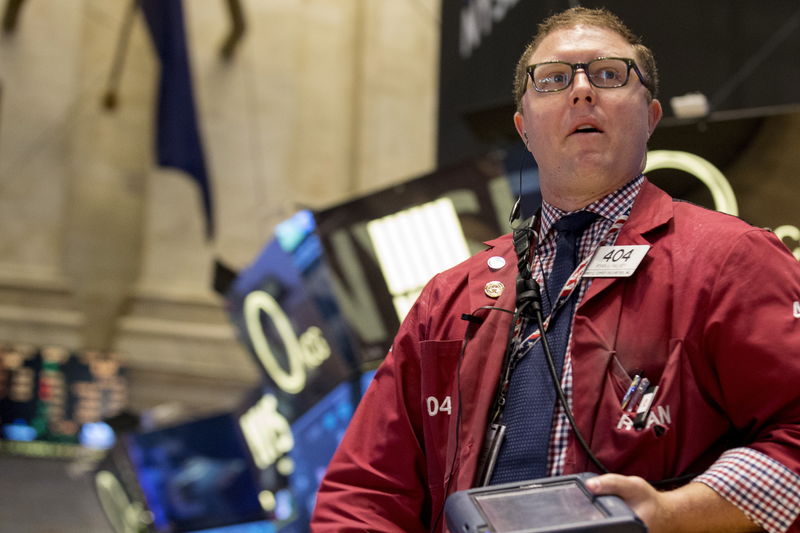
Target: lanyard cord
(529, 304)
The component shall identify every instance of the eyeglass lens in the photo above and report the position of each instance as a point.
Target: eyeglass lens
(604, 73)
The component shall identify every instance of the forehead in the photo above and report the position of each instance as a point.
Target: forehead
(581, 43)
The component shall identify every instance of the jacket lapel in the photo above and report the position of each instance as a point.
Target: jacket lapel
(652, 209)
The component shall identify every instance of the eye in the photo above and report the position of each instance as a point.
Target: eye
(608, 72)
(556, 77)
(552, 76)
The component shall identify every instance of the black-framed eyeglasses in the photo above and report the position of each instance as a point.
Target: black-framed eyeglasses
(603, 72)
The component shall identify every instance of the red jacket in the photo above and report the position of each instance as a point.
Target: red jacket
(708, 316)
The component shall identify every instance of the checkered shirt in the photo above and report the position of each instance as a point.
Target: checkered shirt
(610, 208)
(764, 489)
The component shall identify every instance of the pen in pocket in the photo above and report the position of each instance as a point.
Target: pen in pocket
(634, 383)
(636, 397)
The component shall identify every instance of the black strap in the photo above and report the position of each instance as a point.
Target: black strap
(527, 297)
(527, 300)
(528, 294)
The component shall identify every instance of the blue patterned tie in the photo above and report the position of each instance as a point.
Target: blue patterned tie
(528, 413)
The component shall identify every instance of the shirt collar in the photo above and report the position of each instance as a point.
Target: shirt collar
(610, 207)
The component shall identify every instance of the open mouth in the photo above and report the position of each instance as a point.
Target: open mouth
(587, 128)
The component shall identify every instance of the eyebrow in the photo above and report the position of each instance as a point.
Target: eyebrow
(585, 61)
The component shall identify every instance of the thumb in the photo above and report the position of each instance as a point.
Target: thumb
(626, 487)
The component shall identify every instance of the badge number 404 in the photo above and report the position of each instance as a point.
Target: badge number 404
(619, 254)
(616, 261)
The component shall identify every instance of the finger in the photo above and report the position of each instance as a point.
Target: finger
(623, 486)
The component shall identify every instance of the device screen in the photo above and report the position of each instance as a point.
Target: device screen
(540, 506)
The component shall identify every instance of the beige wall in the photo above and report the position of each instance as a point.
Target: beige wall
(324, 99)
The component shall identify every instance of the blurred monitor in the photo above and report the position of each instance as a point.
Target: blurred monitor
(286, 314)
(196, 475)
(54, 402)
(381, 249)
(317, 433)
(292, 455)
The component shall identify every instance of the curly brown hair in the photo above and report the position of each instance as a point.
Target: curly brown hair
(601, 18)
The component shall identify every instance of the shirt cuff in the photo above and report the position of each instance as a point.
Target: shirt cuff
(761, 487)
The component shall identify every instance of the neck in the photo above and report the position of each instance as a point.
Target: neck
(574, 202)
(571, 198)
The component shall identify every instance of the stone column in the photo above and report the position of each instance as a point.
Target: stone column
(109, 158)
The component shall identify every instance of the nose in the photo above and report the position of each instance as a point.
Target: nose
(582, 88)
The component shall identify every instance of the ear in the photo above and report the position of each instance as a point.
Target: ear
(520, 125)
(654, 114)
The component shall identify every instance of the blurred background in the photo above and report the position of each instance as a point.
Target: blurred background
(215, 214)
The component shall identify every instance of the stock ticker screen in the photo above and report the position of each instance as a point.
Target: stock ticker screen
(53, 401)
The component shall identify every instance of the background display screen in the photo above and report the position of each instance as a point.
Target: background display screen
(196, 475)
(53, 400)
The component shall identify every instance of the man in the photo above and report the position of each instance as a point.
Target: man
(706, 316)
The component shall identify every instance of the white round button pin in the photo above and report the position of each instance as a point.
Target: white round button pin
(496, 262)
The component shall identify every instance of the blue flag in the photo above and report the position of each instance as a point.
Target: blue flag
(178, 143)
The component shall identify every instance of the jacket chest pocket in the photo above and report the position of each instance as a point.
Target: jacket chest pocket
(675, 430)
(439, 369)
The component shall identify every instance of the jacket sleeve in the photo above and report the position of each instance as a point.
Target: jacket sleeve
(753, 339)
(376, 480)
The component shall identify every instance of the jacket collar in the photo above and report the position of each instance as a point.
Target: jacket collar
(651, 210)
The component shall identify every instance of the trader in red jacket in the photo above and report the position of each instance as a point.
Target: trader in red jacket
(708, 316)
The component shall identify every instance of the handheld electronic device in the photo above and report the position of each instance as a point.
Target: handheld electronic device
(556, 504)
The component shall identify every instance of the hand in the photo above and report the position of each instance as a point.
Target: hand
(693, 507)
(649, 504)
